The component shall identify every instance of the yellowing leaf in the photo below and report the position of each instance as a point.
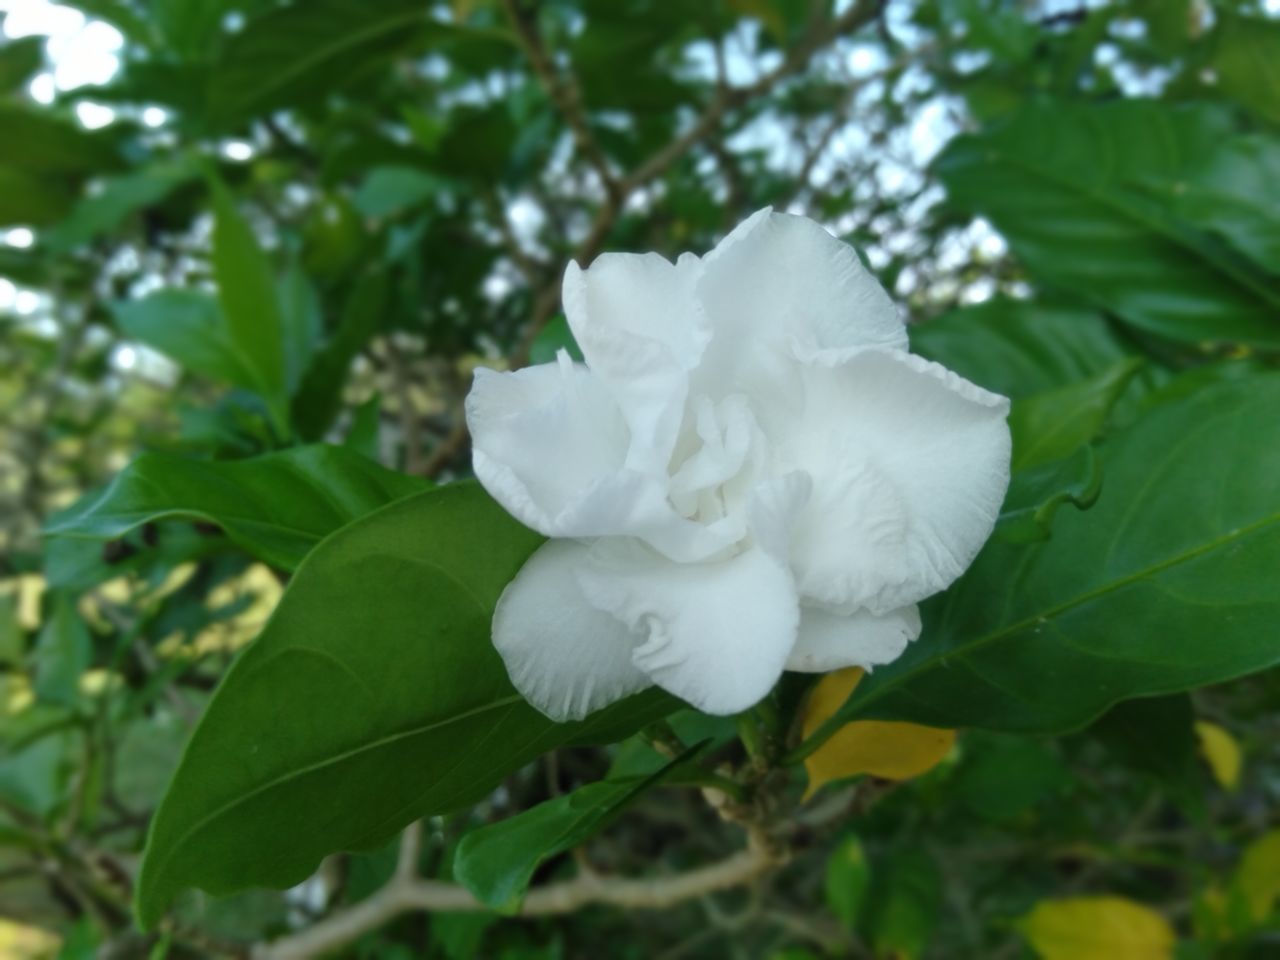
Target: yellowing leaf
(894, 751)
(1097, 928)
(1222, 752)
(1258, 876)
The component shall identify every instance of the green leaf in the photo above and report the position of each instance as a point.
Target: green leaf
(30, 199)
(1020, 347)
(374, 687)
(1233, 196)
(848, 878)
(20, 60)
(904, 907)
(319, 396)
(1166, 584)
(1004, 778)
(39, 142)
(303, 323)
(297, 54)
(388, 191)
(1246, 59)
(63, 652)
(1049, 426)
(1074, 190)
(497, 861)
(1035, 495)
(187, 327)
(362, 435)
(250, 305)
(277, 506)
(118, 199)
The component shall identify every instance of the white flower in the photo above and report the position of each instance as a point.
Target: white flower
(749, 474)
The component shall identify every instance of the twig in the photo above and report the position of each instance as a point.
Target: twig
(565, 93)
(404, 894)
(725, 99)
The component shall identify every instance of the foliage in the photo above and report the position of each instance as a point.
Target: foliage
(245, 585)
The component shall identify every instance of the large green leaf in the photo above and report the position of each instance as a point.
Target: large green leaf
(19, 61)
(1072, 187)
(374, 697)
(1234, 195)
(1020, 347)
(1167, 583)
(250, 302)
(276, 506)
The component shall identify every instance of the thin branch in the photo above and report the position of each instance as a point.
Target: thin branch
(725, 99)
(404, 894)
(563, 90)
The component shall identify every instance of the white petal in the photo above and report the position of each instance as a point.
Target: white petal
(909, 464)
(550, 445)
(641, 330)
(830, 641)
(780, 279)
(714, 634)
(563, 655)
(543, 438)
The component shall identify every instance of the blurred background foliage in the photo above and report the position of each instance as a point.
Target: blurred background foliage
(1047, 187)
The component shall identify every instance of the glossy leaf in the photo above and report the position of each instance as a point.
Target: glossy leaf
(1037, 494)
(1164, 585)
(1018, 348)
(1072, 188)
(374, 686)
(277, 506)
(1052, 425)
(1097, 928)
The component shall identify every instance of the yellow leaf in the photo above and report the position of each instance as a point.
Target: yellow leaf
(1258, 876)
(21, 942)
(891, 750)
(1222, 752)
(1097, 928)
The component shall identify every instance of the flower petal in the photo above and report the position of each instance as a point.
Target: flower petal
(909, 464)
(550, 445)
(714, 634)
(565, 657)
(641, 330)
(830, 641)
(780, 279)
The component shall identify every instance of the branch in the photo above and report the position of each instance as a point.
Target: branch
(725, 99)
(563, 90)
(405, 894)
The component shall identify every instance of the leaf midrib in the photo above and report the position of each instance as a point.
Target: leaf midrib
(878, 693)
(299, 772)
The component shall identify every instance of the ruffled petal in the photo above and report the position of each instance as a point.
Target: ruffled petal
(550, 444)
(565, 657)
(641, 330)
(714, 634)
(831, 641)
(910, 464)
(777, 280)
